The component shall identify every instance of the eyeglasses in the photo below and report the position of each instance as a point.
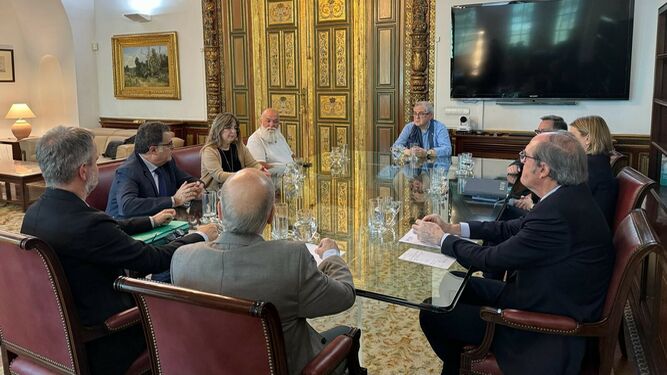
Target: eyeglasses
(169, 145)
(420, 114)
(523, 156)
(538, 131)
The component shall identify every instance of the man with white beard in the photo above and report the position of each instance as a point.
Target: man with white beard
(268, 146)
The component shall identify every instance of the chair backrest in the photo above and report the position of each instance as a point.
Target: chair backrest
(618, 161)
(633, 240)
(632, 188)
(38, 319)
(201, 333)
(99, 197)
(188, 159)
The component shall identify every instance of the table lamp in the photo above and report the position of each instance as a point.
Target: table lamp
(21, 127)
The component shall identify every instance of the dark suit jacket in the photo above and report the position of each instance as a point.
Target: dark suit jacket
(562, 255)
(94, 249)
(134, 193)
(603, 185)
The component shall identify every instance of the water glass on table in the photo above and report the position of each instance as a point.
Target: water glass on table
(280, 223)
(305, 227)
(209, 207)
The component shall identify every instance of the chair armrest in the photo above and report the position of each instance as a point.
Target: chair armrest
(330, 357)
(123, 319)
(123, 151)
(532, 321)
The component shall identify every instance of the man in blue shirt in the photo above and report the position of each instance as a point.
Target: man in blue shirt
(430, 136)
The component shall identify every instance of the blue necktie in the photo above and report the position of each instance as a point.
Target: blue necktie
(162, 183)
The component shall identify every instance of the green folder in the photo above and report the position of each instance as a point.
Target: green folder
(157, 234)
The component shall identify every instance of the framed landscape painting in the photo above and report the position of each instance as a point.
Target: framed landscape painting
(6, 65)
(145, 66)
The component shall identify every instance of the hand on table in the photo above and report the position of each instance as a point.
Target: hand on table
(326, 244)
(210, 230)
(187, 192)
(164, 217)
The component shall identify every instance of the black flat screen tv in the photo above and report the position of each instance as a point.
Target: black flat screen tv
(551, 49)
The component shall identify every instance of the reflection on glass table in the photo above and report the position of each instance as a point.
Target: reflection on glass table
(342, 209)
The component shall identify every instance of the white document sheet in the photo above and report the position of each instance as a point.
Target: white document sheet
(427, 258)
(311, 247)
(411, 238)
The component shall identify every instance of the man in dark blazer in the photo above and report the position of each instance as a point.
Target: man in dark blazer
(93, 248)
(560, 256)
(149, 180)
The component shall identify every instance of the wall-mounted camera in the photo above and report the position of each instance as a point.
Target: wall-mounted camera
(464, 124)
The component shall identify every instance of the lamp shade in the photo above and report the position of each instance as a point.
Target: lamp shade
(19, 110)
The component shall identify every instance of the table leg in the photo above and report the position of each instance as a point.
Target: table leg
(25, 199)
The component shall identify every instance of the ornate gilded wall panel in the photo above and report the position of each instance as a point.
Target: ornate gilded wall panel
(341, 58)
(385, 137)
(386, 108)
(386, 75)
(286, 104)
(323, 61)
(342, 204)
(238, 56)
(237, 15)
(281, 13)
(331, 10)
(240, 106)
(325, 216)
(289, 48)
(385, 10)
(325, 143)
(291, 134)
(333, 107)
(212, 20)
(342, 135)
(274, 59)
(386, 52)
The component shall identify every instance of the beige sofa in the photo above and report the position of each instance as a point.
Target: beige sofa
(102, 137)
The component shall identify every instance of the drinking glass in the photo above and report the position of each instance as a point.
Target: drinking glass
(413, 152)
(209, 206)
(279, 225)
(376, 214)
(305, 227)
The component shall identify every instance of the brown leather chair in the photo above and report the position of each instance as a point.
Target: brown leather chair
(188, 159)
(632, 188)
(99, 197)
(634, 239)
(618, 161)
(192, 332)
(41, 332)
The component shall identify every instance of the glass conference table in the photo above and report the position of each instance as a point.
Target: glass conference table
(339, 204)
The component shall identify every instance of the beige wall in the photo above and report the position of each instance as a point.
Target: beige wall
(38, 32)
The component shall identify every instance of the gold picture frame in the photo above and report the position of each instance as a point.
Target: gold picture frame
(145, 66)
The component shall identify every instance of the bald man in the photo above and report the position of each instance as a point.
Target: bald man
(268, 146)
(241, 264)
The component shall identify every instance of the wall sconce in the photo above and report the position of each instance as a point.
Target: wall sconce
(138, 17)
(21, 127)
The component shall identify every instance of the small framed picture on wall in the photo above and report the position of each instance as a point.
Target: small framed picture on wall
(6, 65)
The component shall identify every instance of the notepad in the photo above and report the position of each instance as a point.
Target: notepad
(411, 238)
(157, 234)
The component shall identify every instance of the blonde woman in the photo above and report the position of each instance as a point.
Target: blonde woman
(224, 154)
(593, 134)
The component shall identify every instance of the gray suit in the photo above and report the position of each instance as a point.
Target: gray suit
(281, 272)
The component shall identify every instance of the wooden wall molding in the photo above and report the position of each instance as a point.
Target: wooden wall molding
(505, 144)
